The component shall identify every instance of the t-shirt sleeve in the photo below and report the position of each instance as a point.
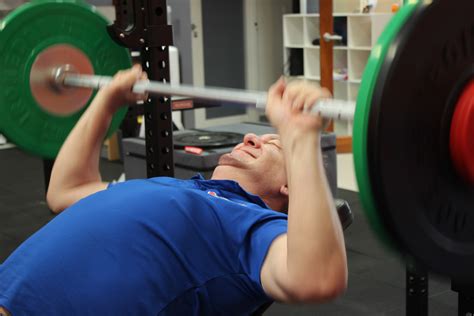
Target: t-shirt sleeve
(256, 246)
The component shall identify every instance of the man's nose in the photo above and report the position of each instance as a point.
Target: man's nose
(253, 140)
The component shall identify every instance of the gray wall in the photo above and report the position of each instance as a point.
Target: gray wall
(181, 22)
(223, 29)
(224, 50)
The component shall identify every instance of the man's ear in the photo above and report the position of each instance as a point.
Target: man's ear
(284, 190)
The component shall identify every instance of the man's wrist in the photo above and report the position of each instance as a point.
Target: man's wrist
(108, 101)
(297, 146)
(292, 136)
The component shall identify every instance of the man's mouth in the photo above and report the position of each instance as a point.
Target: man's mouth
(231, 160)
(247, 152)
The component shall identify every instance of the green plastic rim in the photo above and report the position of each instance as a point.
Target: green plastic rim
(25, 33)
(361, 117)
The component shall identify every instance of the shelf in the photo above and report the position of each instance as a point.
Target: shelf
(340, 59)
(373, 14)
(353, 91)
(361, 31)
(385, 6)
(311, 62)
(340, 90)
(357, 61)
(317, 15)
(293, 30)
(311, 30)
(339, 14)
(318, 78)
(347, 7)
(342, 6)
(360, 48)
(379, 21)
(293, 61)
(364, 30)
(319, 47)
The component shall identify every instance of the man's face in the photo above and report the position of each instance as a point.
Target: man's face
(257, 164)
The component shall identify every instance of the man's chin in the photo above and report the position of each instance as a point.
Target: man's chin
(231, 161)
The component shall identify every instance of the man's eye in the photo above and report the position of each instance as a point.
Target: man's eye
(276, 145)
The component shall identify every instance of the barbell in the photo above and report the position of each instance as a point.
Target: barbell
(413, 121)
(64, 76)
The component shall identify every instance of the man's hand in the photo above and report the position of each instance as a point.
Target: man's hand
(288, 106)
(119, 91)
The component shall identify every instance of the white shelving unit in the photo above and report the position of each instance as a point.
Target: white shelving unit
(363, 29)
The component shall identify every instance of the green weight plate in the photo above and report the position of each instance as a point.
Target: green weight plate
(361, 118)
(28, 32)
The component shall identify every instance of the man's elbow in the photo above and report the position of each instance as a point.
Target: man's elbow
(319, 292)
(330, 290)
(320, 288)
(54, 201)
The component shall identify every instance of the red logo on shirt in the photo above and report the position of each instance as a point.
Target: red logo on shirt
(214, 194)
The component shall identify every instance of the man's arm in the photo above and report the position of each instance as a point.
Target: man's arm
(75, 173)
(308, 264)
(3, 312)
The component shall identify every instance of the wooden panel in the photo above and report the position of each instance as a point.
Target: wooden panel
(344, 144)
(326, 25)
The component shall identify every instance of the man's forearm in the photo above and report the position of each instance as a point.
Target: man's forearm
(315, 240)
(78, 160)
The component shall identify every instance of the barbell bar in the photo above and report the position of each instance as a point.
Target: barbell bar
(327, 108)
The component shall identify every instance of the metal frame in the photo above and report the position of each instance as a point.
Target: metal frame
(465, 297)
(142, 25)
(416, 289)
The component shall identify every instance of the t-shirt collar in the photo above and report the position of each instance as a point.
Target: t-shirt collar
(230, 186)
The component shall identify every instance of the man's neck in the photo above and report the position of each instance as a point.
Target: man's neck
(276, 204)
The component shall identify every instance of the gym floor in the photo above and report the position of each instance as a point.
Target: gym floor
(376, 275)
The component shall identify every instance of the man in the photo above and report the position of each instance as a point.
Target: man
(165, 246)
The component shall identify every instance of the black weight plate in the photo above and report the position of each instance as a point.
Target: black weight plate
(204, 139)
(423, 202)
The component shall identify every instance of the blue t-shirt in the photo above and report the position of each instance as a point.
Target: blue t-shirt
(161, 246)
